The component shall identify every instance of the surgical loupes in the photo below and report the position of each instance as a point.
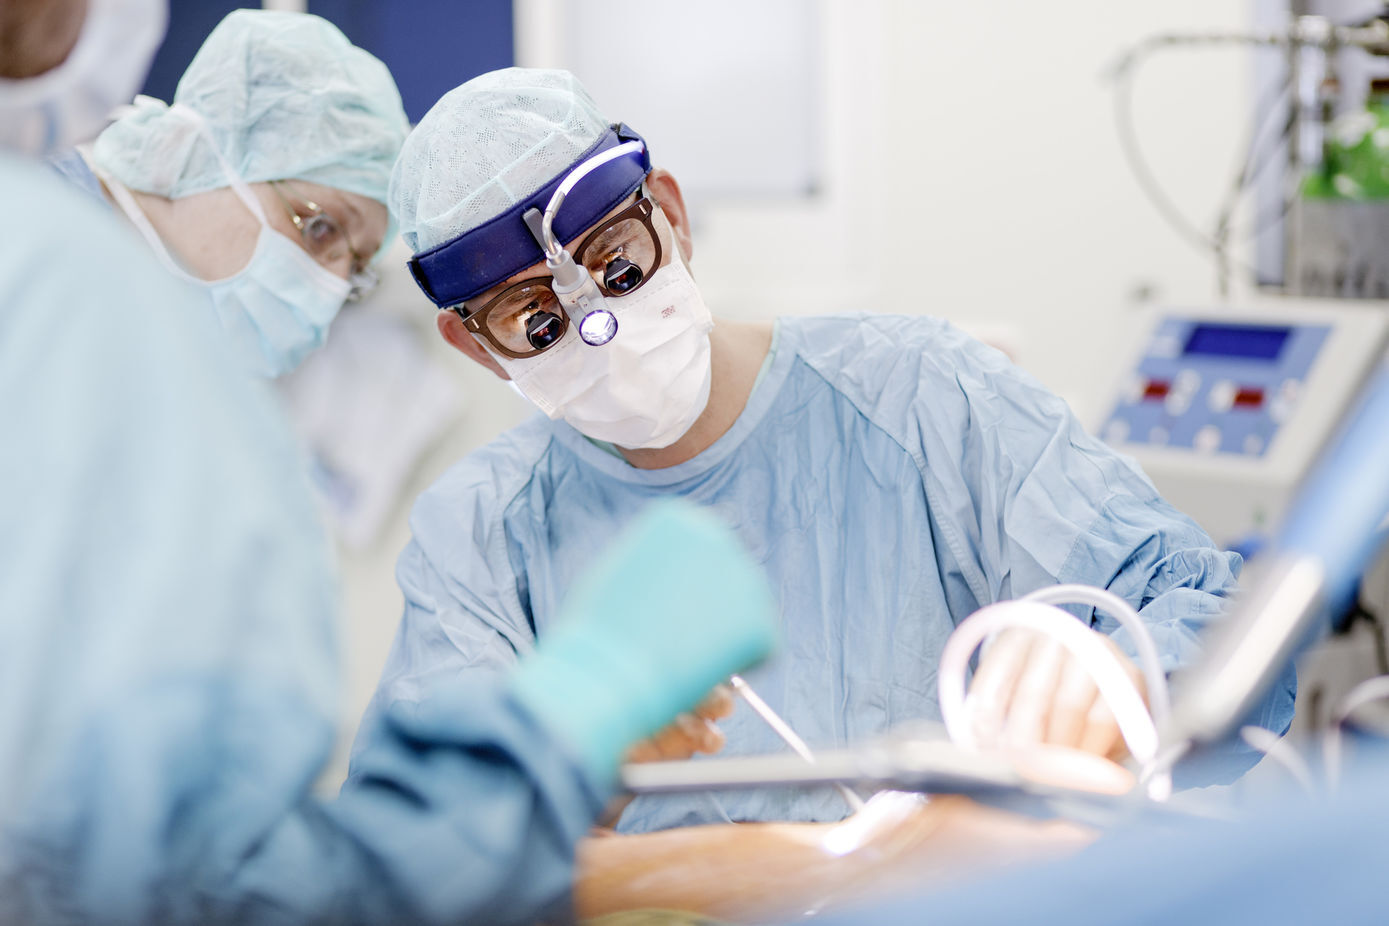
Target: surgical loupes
(573, 285)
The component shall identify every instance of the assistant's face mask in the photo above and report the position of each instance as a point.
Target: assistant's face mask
(276, 310)
(70, 103)
(643, 389)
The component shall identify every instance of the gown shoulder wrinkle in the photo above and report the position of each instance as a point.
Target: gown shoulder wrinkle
(462, 512)
(462, 590)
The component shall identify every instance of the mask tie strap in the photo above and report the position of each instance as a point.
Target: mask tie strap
(234, 179)
(122, 195)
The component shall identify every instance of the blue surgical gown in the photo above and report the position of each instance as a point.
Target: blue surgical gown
(168, 665)
(890, 473)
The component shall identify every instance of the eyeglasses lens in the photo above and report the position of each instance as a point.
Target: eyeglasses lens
(509, 321)
(544, 329)
(621, 256)
(529, 318)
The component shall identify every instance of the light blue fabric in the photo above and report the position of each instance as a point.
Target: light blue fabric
(1289, 857)
(485, 146)
(70, 166)
(167, 646)
(891, 474)
(609, 675)
(285, 96)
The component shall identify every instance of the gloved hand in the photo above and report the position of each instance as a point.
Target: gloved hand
(1029, 689)
(690, 732)
(674, 607)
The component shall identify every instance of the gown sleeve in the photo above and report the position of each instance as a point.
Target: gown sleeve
(1024, 497)
(168, 670)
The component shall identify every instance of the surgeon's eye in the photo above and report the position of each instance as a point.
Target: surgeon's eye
(621, 276)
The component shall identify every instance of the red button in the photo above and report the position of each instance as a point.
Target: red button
(1249, 397)
(1156, 390)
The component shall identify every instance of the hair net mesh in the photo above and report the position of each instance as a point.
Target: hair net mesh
(485, 146)
(285, 95)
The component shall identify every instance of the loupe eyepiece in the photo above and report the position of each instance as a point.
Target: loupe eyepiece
(621, 276)
(544, 329)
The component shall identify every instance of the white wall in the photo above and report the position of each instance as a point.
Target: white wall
(973, 171)
(1025, 209)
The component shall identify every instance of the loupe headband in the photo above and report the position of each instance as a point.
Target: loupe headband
(472, 263)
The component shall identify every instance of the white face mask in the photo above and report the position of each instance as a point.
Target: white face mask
(71, 102)
(641, 390)
(276, 310)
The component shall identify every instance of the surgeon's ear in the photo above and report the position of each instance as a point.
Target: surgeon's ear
(452, 329)
(666, 191)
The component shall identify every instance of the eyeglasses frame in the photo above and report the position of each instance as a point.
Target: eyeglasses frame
(362, 280)
(643, 209)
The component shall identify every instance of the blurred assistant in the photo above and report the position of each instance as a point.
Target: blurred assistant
(892, 474)
(264, 183)
(61, 74)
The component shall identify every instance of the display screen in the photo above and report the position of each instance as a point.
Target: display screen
(1254, 342)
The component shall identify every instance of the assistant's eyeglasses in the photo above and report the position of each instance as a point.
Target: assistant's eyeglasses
(326, 240)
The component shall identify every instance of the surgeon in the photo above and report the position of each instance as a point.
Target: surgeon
(168, 679)
(892, 474)
(264, 183)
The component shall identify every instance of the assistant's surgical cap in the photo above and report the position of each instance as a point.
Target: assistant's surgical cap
(485, 146)
(285, 96)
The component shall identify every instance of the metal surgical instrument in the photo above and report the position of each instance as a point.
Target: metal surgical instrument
(783, 730)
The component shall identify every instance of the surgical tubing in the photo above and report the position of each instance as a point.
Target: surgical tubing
(1159, 702)
(1368, 691)
(1277, 749)
(1118, 690)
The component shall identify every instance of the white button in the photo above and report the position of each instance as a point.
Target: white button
(1289, 390)
(1222, 396)
(1187, 382)
(1279, 409)
(1117, 431)
(1133, 392)
(1177, 403)
(1253, 445)
(1158, 435)
(1165, 346)
(1207, 439)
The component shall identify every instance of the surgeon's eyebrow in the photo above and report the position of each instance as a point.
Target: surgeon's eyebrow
(353, 211)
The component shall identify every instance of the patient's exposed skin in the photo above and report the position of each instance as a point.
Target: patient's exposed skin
(757, 872)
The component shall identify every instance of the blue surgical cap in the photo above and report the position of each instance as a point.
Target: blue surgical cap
(485, 146)
(285, 96)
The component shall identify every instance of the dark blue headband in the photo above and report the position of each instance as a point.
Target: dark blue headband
(482, 257)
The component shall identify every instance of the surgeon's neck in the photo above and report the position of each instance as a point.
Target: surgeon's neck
(736, 352)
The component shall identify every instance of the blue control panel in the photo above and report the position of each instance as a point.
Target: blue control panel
(1215, 386)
